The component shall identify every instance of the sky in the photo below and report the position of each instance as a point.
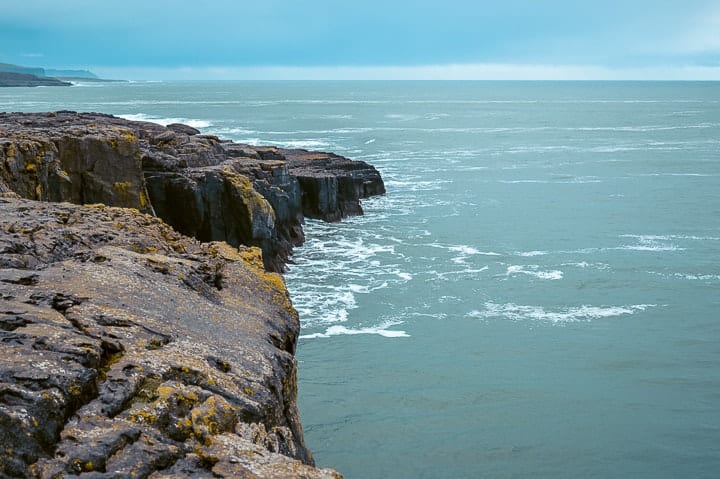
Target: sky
(367, 39)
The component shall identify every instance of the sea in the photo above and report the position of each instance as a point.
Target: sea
(536, 296)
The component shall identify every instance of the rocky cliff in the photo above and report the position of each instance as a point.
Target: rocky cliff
(204, 187)
(131, 349)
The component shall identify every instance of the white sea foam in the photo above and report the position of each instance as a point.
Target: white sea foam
(650, 247)
(585, 264)
(698, 277)
(457, 274)
(517, 312)
(651, 243)
(464, 249)
(688, 276)
(531, 253)
(167, 121)
(467, 250)
(381, 330)
(234, 131)
(534, 271)
(671, 237)
(302, 144)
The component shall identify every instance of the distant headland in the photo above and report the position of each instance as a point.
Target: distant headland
(19, 76)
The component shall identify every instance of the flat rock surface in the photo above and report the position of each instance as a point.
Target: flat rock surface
(130, 350)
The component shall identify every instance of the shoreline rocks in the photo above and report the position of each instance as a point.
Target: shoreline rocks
(130, 350)
(146, 331)
(204, 187)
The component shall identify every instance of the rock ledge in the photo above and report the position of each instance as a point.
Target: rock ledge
(140, 347)
(204, 187)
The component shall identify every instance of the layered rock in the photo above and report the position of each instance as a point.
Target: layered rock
(130, 350)
(206, 188)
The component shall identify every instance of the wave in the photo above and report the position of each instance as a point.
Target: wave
(534, 271)
(585, 264)
(302, 144)
(166, 121)
(380, 330)
(688, 276)
(463, 249)
(516, 312)
(530, 254)
(578, 180)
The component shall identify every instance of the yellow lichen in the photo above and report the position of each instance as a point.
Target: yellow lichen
(129, 136)
(122, 187)
(144, 203)
(142, 416)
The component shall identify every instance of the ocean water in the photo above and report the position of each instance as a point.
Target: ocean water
(537, 295)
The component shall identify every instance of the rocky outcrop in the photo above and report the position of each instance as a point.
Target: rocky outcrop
(204, 187)
(144, 332)
(132, 351)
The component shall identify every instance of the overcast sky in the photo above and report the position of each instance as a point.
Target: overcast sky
(157, 39)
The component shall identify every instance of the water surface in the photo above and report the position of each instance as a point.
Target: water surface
(538, 294)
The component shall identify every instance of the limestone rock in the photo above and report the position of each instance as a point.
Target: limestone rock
(194, 182)
(130, 350)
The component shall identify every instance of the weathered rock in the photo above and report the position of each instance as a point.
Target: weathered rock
(78, 162)
(130, 350)
(332, 185)
(192, 181)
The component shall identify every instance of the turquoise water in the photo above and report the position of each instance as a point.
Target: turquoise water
(538, 294)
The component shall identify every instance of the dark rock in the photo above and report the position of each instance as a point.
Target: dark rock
(185, 129)
(332, 185)
(207, 188)
(130, 350)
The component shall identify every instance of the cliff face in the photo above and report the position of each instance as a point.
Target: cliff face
(130, 349)
(204, 187)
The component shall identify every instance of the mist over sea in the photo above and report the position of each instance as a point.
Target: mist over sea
(537, 295)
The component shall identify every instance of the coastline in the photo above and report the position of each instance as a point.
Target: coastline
(136, 347)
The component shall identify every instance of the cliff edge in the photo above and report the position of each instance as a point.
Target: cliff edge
(204, 187)
(132, 350)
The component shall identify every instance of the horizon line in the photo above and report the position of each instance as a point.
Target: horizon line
(454, 71)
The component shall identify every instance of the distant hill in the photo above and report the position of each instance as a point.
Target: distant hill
(71, 74)
(7, 67)
(42, 76)
(26, 79)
